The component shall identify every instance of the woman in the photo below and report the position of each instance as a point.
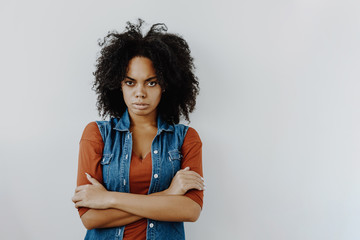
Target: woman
(140, 173)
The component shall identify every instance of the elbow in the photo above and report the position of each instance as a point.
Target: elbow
(88, 222)
(193, 213)
(88, 225)
(193, 218)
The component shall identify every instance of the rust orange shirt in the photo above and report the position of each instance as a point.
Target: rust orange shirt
(90, 155)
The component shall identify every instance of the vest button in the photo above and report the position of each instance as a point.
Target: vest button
(156, 175)
(156, 151)
(151, 225)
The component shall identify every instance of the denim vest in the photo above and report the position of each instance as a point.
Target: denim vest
(166, 161)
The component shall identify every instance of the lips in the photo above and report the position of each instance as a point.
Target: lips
(140, 106)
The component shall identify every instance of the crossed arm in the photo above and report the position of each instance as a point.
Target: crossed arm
(111, 209)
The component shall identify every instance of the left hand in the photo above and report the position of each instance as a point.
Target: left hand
(92, 195)
(185, 180)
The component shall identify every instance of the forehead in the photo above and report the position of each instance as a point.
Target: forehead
(140, 68)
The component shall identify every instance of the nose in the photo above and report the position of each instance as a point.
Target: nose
(140, 91)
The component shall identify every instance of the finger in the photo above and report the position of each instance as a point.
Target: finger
(193, 173)
(194, 185)
(79, 196)
(198, 186)
(75, 198)
(197, 182)
(183, 170)
(192, 179)
(82, 187)
(91, 179)
(79, 204)
(79, 188)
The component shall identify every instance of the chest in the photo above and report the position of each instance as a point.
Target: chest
(163, 147)
(142, 140)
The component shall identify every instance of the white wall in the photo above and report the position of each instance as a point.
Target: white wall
(278, 112)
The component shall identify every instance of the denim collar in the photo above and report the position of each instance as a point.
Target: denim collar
(124, 124)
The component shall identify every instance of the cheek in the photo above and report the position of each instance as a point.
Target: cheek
(126, 96)
(159, 96)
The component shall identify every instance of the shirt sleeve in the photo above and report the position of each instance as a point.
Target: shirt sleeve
(90, 153)
(192, 157)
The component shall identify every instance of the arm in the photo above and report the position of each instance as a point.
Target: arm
(101, 215)
(157, 207)
(105, 218)
(90, 154)
(185, 206)
(161, 208)
(182, 182)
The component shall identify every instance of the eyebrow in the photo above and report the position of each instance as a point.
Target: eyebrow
(132, 79)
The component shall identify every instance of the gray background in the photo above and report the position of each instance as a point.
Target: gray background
(278, 112)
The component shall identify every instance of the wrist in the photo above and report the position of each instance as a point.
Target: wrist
(162, 193)
(170, 191)
(110, 200)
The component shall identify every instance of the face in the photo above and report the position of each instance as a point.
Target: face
(141, 89)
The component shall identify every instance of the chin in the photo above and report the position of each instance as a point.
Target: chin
(141, 112)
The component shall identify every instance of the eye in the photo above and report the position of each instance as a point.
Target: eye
(129, 83)
(152, 84)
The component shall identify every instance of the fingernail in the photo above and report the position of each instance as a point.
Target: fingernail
(87, 175)
(202, 178)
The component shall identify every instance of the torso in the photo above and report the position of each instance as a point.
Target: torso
(142, 140)
(140, 171)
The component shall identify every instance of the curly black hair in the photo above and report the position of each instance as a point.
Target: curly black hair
(173, 64)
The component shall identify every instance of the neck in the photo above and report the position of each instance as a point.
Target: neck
(143, 121)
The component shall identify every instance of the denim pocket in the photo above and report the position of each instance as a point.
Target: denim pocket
(175, 159)
(105, 162)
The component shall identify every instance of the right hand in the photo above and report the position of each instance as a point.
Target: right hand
(184, 180)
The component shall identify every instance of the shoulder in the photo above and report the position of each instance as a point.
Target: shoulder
(192, 136)
(192, 149)
(91, 132)
(105, 127)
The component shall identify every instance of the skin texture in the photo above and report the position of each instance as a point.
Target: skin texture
(140, 86)
(142, 94)
(170, 55)
(111, 209)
